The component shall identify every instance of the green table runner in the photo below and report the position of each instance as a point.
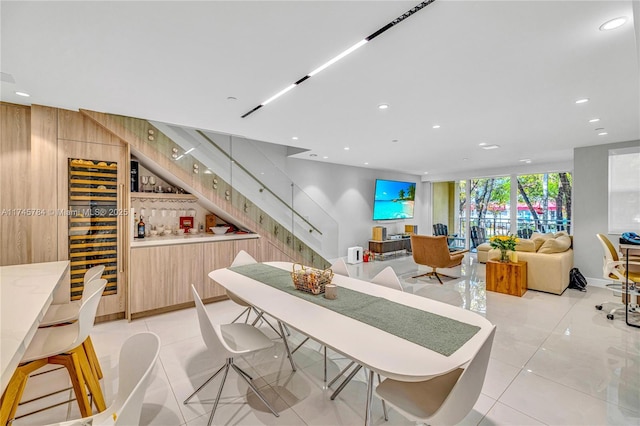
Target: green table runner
(440, 334)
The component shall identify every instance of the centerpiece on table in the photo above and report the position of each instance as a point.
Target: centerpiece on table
(505, 243)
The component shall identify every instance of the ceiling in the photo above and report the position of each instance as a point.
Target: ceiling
(495, 72)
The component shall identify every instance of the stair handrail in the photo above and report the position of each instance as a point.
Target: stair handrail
(262, 184)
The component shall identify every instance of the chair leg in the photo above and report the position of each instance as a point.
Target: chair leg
(384, 405)
(15, 388)
(300, 345)
(286, 345)
(224, 378)
(204, 384)
(340, 374)
(93, 358)
(92, 381)
(72, 364)
(346, 381)
(255, 390)
(241, 314)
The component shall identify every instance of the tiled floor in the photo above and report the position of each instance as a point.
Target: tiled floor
(555, 360)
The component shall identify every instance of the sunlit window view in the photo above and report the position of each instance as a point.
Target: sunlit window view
(543, 204)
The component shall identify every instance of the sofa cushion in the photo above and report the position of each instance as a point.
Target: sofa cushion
(525, 245)
(556, 245)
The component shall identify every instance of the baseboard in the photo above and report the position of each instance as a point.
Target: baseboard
(597, 282)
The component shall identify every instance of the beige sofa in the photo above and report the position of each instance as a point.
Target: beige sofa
(548, 264)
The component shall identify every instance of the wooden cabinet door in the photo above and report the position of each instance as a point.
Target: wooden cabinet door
(162, 276)
(216, 256)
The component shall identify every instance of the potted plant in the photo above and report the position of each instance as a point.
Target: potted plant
(505, 243)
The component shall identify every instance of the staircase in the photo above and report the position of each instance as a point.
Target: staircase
(216, 173)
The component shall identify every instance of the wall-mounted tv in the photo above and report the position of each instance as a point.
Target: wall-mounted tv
(393, 200)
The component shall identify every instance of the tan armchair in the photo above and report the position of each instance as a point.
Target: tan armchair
(434, 252)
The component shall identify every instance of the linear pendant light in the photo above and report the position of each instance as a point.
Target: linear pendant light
(343, 54)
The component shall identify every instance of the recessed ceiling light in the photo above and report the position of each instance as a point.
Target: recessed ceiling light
(295, 138)
(582, 101)
(346, 148)
(602, 133)
(366, 164)
(491, 147)
(594, 120)
(394, 140)
(313, 155)
(525, 160)
(426, 173)
(465, 159)
(599, 128)
(613, 23)
(482, 144)
(383, 106)
(26, 95)
(436, 126)
(325, 157)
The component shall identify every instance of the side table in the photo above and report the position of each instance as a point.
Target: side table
(507, 277)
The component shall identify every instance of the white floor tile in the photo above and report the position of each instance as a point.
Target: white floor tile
(556, 360)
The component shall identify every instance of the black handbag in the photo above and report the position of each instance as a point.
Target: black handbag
(577, 281)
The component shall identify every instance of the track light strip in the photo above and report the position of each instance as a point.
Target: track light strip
(343, 54)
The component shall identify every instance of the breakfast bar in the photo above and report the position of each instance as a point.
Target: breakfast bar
(26, 291)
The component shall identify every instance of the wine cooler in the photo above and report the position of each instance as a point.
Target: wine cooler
(93, 222)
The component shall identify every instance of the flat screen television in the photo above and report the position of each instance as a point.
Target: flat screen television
(393, 200)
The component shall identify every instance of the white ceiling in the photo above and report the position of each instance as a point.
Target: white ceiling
(499, 72)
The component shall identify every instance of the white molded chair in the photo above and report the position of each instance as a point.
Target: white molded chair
(230, 339)
(442, 400)
(244, 258)
(340, 267)
(68, 312)
(388, 278)
(61, 345)
(138, 356)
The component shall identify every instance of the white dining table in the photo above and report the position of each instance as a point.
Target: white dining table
(26, 291)
(379, 351)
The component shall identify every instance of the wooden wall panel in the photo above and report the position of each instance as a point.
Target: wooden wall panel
(15, 181)
(74, 126)
(44, 190)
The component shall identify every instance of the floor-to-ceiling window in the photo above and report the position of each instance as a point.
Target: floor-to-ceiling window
(504, 205)
(544, 203)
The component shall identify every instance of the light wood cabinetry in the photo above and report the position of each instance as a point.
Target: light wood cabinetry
(216, 256)
(162, 276)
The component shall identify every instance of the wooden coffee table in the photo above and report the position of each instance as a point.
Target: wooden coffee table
(507, 277)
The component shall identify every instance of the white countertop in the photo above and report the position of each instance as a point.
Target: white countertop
(188, 239)
(26, 291)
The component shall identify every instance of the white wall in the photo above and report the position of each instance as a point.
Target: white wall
(346, 193)
(590, 205)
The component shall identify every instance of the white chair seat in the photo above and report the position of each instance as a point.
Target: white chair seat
(243, 338)
(51, 341)
(59, 314)
(418, 400)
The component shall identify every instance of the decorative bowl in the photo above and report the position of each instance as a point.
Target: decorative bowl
(219, 230)
(153, 232)
(167, 232)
